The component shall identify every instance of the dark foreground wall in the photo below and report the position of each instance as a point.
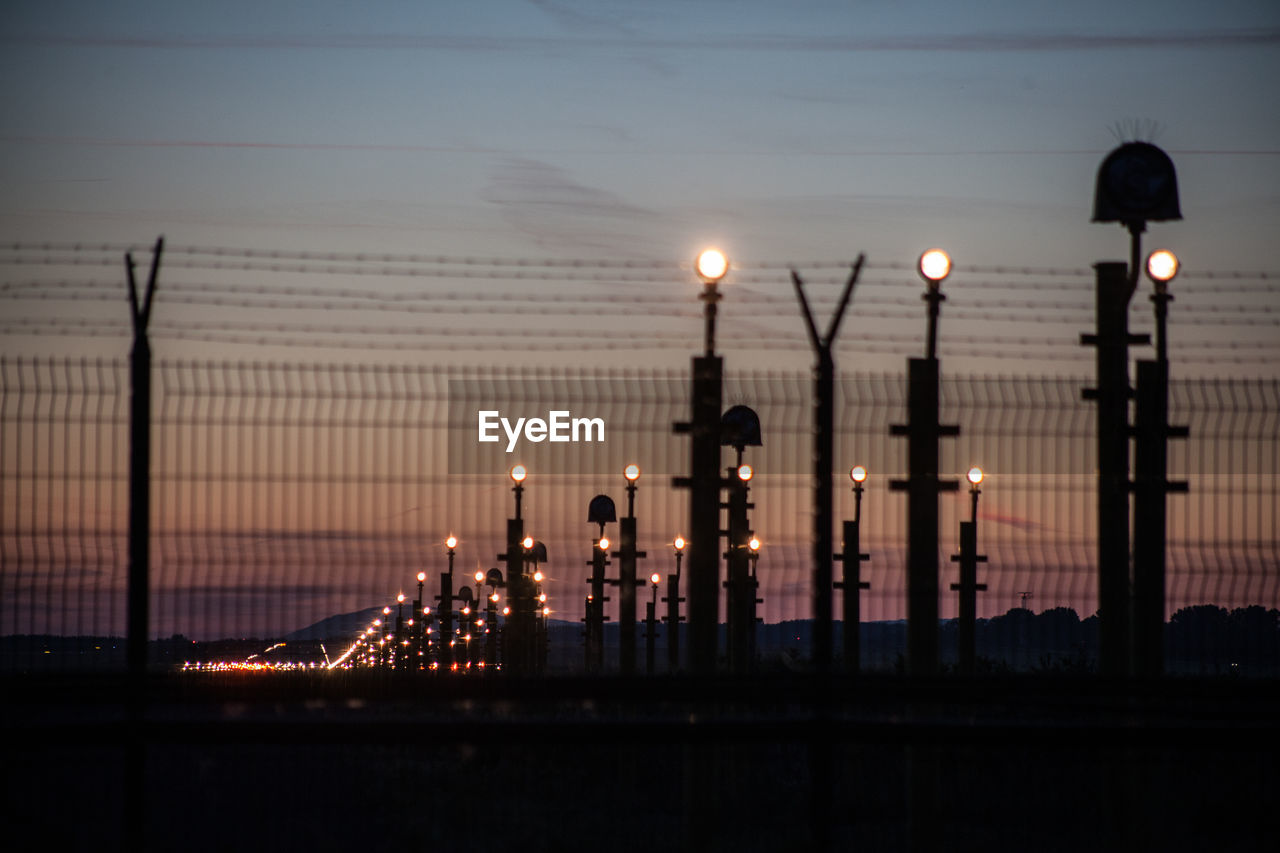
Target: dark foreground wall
(992, 764)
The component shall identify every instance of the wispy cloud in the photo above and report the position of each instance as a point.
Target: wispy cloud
(578, 20)
(557, 211)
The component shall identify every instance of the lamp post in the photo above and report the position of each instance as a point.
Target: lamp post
(465, 625)
(480, 625)
(923, 485)
(495, 581)
(446, 607)
(420, 625)
(1150, 487)
(934, 266)
(824, 373)
(387, 638)
(535, 552)
(1162, 268)
(851, 582)
(673, 600)
(741, 595)
(753, 584)
(968, 587)
(518, 633)
(711, 266)
(397, 655)
(627, 582)
(651, 623)
(703, 481)
(600, 511)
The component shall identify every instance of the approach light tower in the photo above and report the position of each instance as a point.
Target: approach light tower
(851, 582)
(968, 587)
(600, 511)
(922, 484)
(626, 580)
(446, 607)
(673, 599)
(1136, 184)
(703, 481)
(518, 653)
(1150, 480)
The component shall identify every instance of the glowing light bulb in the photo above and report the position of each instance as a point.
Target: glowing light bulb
(711, 265)
(1162, 265)
(935, 266)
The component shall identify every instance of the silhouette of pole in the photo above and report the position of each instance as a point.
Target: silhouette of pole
(823, 463)
(600, 511)
(419, 623)
(491, 622)
(968, 587)
(518, 634)
(446, 609)
(704, 515)
(1113, 289)
(595, 605)
(1151, 486)
(138, 618)
(627, 582)
(673, 600)
(703, 481)
(923, 485)
(1136, 184)
(851, 582)
(651, 625)
(740, 627)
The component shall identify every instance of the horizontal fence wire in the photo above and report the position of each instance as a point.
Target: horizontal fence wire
(287, 494)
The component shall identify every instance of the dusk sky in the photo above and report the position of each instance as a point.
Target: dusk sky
(509, 133)
(784, 133)
(528, 129)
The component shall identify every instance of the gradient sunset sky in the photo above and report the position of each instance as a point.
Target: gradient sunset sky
(601, 129)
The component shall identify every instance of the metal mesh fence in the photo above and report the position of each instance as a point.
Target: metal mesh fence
(284, 494)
